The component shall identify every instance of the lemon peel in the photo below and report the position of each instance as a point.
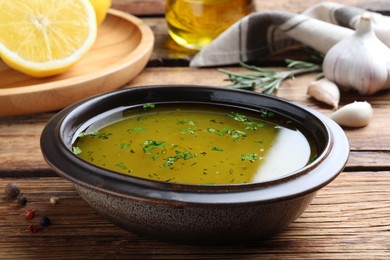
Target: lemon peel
(101, 7)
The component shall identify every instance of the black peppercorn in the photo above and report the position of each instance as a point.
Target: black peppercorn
(22, 200)
(44, 221)
(12, 190)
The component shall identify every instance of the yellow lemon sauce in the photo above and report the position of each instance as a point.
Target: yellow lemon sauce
(197, 144)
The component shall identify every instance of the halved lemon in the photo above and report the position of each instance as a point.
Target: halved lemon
(101, 7)
(45, 37)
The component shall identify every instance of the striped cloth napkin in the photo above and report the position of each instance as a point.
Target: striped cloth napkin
(263, 33)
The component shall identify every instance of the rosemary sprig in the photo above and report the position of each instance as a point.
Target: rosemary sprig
(268, 80)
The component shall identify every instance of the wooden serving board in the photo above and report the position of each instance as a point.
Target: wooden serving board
(121, 51)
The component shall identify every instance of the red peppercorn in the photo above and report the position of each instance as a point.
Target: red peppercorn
(29, 214)
(33, 228)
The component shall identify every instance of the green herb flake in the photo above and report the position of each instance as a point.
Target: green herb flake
(95, 133)
(186, 122)
(237, 134)
(237, 117)
(76, 150)
(82, 134)
(211, 130)
(252, 157)
(148, 106)
(186, 155)
(251, 125)
(217, 149)
(125, 146)
(254, 126)
(266, 113)
(103, 136)
(121, 165)
(170, 161)
(150, 145)
(137, 129)
(188, 131)
(154, 157)
(217, 132)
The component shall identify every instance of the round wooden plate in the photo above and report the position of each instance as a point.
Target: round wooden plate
(122, 49)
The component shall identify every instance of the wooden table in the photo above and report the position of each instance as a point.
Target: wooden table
(348, 219)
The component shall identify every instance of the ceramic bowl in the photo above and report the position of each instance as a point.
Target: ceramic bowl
(194, 213)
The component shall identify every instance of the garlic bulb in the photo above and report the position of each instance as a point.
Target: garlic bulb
(356, 114)
(325, 91)
(360, 61)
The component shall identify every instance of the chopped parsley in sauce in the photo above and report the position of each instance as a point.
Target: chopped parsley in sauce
(200, 144)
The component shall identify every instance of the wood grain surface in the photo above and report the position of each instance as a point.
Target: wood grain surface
(157, 7)
(348, 219)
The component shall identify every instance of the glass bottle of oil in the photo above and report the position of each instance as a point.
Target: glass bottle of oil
(195, 23)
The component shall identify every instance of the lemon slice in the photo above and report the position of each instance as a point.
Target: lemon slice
(45, 37)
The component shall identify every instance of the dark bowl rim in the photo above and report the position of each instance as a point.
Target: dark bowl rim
(57, 153)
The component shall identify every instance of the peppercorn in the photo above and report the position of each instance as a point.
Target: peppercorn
(33, 228)
(12, 190)
(54, 200)
(44, 221)
(29, 214)
(22, 200)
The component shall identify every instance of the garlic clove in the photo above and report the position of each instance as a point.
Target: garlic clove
(325, 91)
(360, 61)
(356, 114)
